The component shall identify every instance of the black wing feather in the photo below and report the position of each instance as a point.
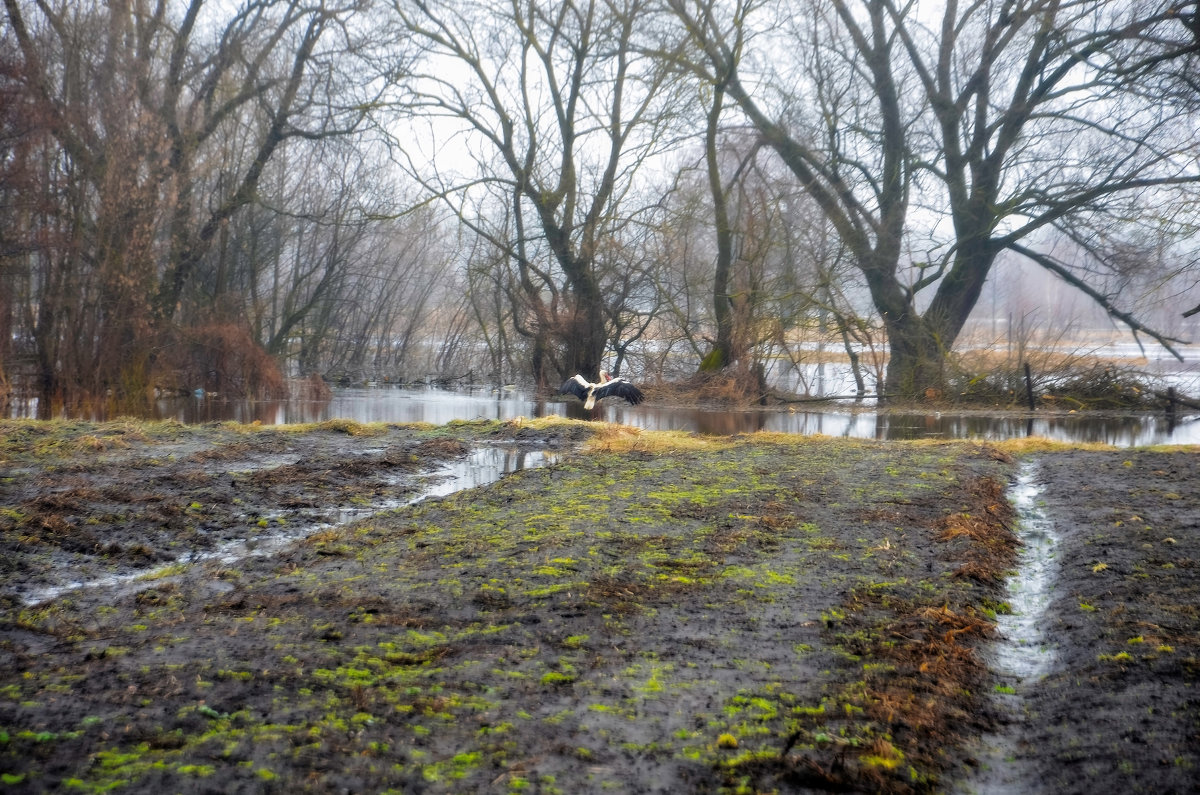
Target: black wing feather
(573, 387)
(621, 388)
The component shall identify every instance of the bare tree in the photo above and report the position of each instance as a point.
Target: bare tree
(19, 140)
(552, 111)
(724, 350)
(1039, 127)
(163, 117)
(856, 172)
(1001, 118)
(772, 282)
(682, 249)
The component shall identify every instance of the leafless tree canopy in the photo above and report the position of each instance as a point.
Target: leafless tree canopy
(933, 140)
(221, 195)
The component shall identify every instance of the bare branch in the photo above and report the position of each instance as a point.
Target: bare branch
(1104, 301)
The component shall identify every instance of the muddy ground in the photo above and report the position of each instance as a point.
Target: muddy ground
(655, 613)
(1119, 711)
(81, 502)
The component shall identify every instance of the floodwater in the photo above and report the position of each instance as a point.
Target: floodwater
(439, 406)
(1022, 653)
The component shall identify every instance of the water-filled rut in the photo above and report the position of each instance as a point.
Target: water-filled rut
(1023, 651)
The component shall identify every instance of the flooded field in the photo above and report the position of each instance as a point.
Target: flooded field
(439, 406)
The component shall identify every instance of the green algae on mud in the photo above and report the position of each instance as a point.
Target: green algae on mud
(665, 613)
(87, 502)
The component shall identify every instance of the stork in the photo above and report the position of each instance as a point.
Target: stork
(589, 393)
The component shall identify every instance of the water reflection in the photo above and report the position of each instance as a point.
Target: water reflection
(1117, 431)
(439, 406)
(484, 465)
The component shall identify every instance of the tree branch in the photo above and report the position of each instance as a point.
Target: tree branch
(1105, 303)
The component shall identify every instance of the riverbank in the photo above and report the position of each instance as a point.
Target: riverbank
(662, 412)
(663, 613)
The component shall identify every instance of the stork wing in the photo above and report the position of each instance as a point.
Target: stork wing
(574, 386)
(619, 387)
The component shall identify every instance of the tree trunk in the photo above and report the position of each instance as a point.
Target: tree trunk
(722, 353)
(584, 334)
(915, 350)
(541, 378)
(916, 360)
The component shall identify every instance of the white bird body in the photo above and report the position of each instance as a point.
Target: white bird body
(590, 392)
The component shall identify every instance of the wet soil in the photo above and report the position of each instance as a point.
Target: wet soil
(1119, 710)
(655, 613)
(83, 503)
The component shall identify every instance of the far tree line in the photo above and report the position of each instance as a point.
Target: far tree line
(224, 195)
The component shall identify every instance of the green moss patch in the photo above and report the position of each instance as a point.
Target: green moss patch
(762, 614)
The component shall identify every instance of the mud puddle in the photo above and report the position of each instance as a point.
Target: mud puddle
(484, 465)
(480, 466)
(1024, 652)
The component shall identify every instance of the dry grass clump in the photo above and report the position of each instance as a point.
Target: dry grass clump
(612, 438)
(222, 358)
(987, 525)
(1040, 444)
(441, 448)
(548, 422)
(351, 428)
